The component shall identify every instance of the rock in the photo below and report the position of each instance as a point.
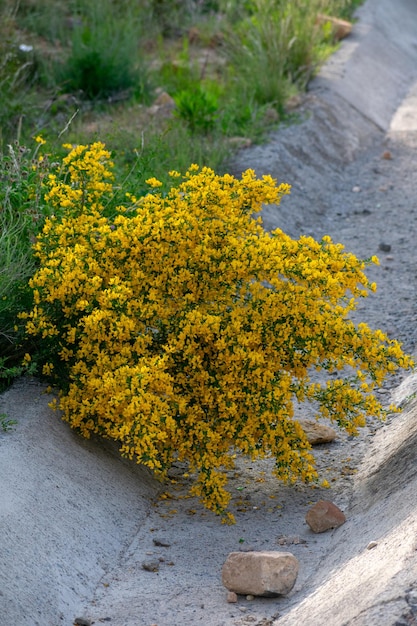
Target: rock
(386, 155)
(231, 597)
(317, 433)
(339, 28)
(239, 143)
(385, 247)
(260, 573)
(82, 621)
(324, 515)
(356, 189)
(371, 544)
(163, 106)
(161, 541)
(165, 100)
(151, 566)
(284, 540)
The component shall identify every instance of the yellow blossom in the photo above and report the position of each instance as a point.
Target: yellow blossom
(187, 333)
(153, 182)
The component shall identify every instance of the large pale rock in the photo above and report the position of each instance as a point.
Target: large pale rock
(317, 433)
(260, 573)
(339, 28)
(324, 515)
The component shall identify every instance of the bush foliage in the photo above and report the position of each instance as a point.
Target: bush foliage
(186, 332)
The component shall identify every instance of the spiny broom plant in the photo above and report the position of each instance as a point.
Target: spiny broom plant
(186, 332)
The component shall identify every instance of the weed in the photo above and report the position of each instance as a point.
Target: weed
(22, 176)
(198, 107)
(6, 424)
(104, 58)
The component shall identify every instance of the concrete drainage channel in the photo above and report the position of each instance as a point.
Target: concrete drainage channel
(78, 523)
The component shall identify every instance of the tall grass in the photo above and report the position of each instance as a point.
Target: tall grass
(274, 49)
(21, 215)
(105, 57)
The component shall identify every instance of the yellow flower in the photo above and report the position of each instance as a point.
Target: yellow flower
(47, 369)
(153, 182)
(187, 332)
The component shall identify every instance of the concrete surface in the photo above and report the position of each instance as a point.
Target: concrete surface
(67, 508)
(376, 66)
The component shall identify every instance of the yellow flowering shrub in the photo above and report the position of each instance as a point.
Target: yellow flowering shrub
(186, 332)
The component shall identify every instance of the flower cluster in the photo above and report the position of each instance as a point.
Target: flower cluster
(187, 332)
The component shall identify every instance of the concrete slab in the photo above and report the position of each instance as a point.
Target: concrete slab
(405, 118)
(68, 506)
(374, 68)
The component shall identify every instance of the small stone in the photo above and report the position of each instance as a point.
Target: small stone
(231, 597)
(165, 100)
(317, 433)
(385, 247)
(163, 106)
(260, 573)
(250, 597)
(284, 540)
(239, 143)
(356, 189)
(371, 544)
(323, 516)
(150, 566)
(160, 541)
(386, 155)
(82, 621)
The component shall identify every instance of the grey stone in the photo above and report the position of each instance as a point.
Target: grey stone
(82, 621)
(151, 566)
